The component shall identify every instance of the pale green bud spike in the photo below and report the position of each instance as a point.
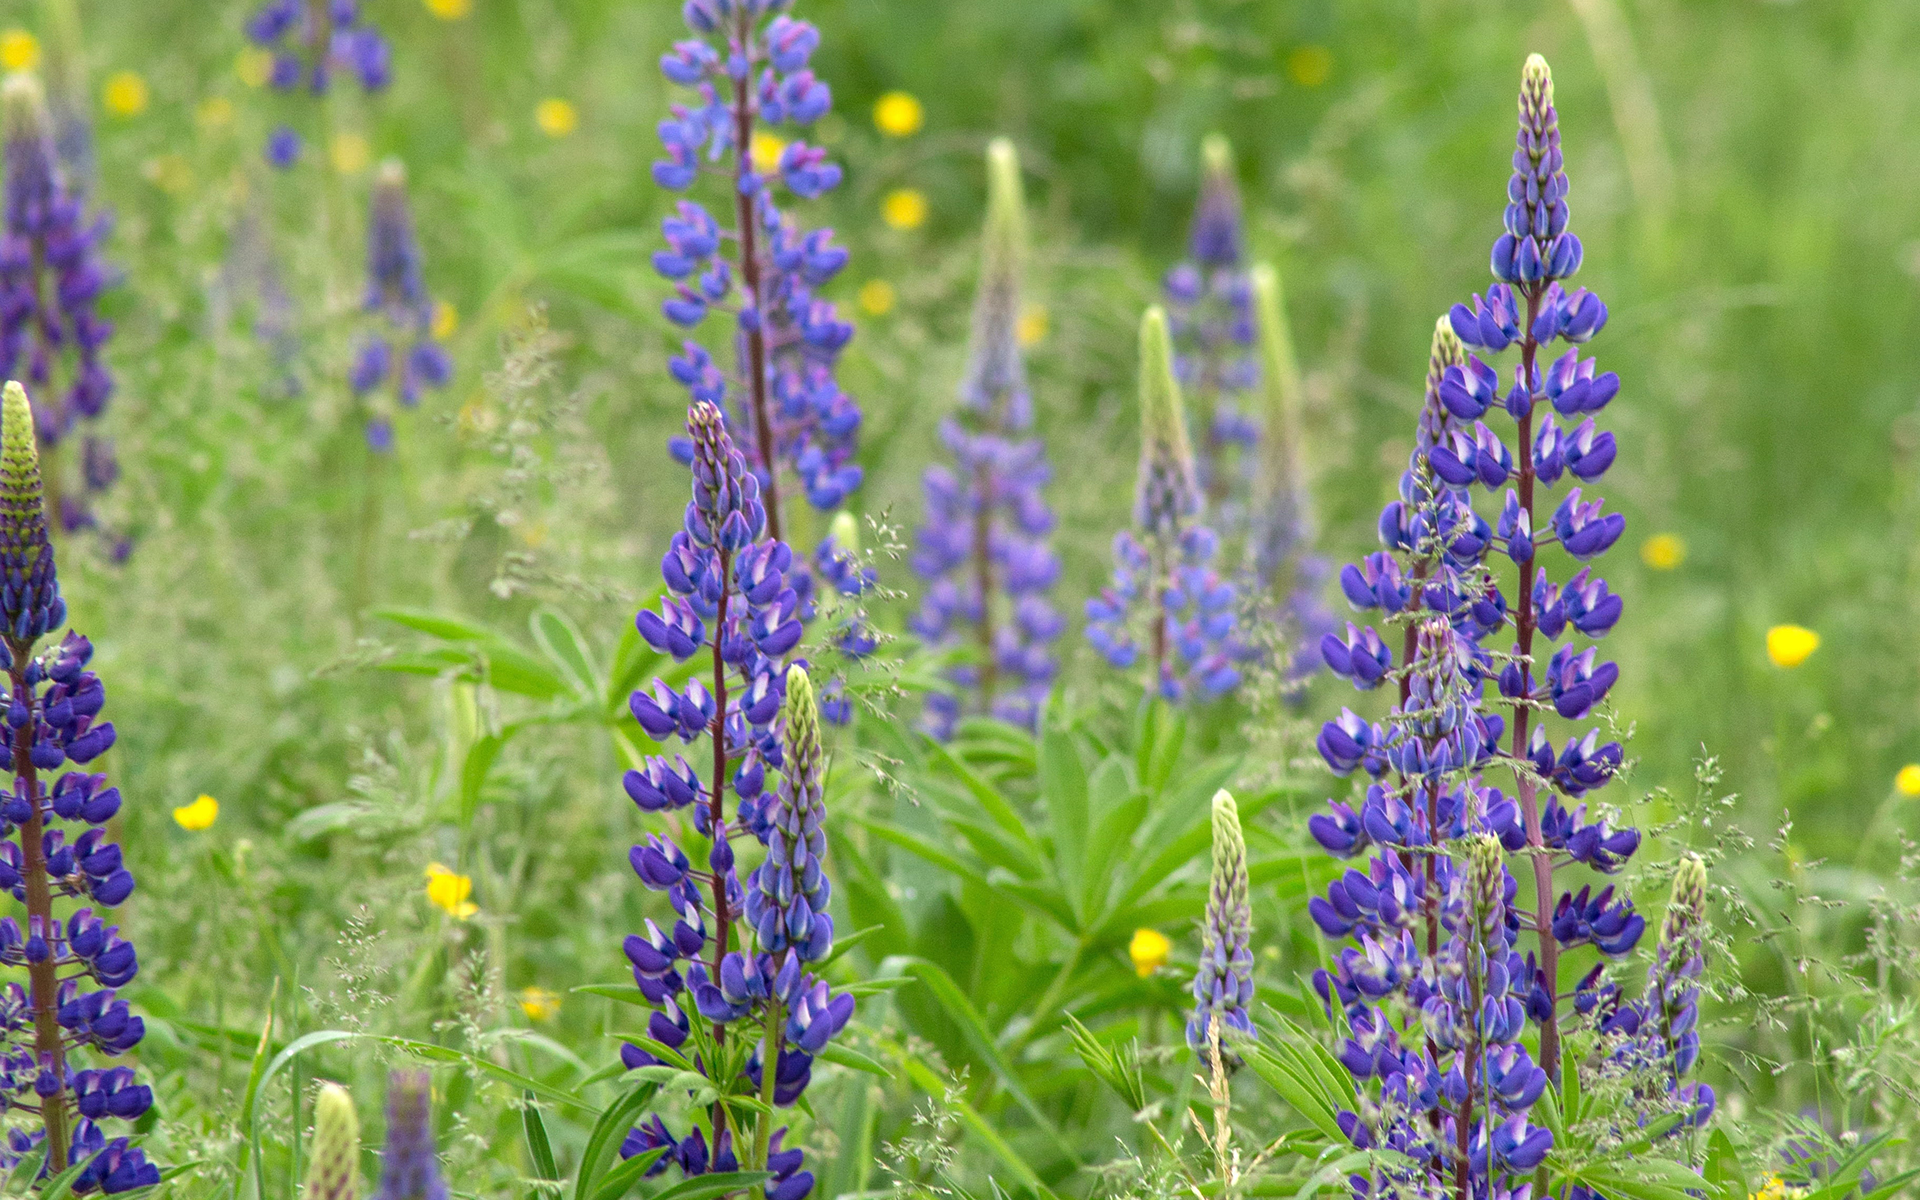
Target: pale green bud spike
(1229, 855)
(1216, 155)
(333, 1173)
(19, 449)
(801, 738)
(1486, 885)
(1686, 912)
(66, 66)
(1280, 377)
(25, 105)
(996, 381)
(1537, 78)
(1168, 490)
(845, 532)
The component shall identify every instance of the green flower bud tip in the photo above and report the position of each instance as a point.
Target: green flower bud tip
(1216, 155)
(1282, 369)
(1687, 910)
(1486, 884)
(845, 532)
(1229, 851)
(333, 1172)
(1537, 78)
(19, 451)
(801, 737)
(1168, 488)
(25, 106)
(1006, 231)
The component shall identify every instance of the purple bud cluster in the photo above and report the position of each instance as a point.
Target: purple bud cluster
(402, 353)
(51, 279)
(985, 550)
(76, 966)
(1434, 916)
(748, 66)
(410, 1165)
(312, 41)
(729, 593)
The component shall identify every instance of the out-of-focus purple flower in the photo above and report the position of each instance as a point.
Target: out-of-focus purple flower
(312, 41)
(403, 354)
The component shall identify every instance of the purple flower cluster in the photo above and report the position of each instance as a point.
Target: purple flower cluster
(410, 1165)
(1164, 574)
(51, 278)
(311, 41)
(748, 66)
(1210, 307)
(53, 707)
(1435, 935)
(404, 353)
(729, 593)
(1223, 980)
(984, 551)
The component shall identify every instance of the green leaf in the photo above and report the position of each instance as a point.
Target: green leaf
(486, 1066)
(473, 773)
(921, 848)
(1116, 813)
(260, 1077)
(619, 1181)
(997, 807)
(61, 1185)
(960, 1009)
(1297, 1088)
(1063, 786)
(706, 1187)
(625, 993)
(563, 643)
(440, 625)
(846, 1056)
(1723, 1166)
(608, 1132)
(539, 1148)
(1642, 1179)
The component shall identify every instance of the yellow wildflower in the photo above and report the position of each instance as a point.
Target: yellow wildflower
(1907, 781)
(1148, 950)
(1033, 326)
(446, 319)
(1772, 1188)
(1310, 66)
(215, 112)
(904, 208)
(126, 94)
(764, 151)
(19, 50)
(539, 1003)
(877, 297)
(349, 153)
(1791, 645)
(254, 66)
(899, 114)
(449, 891)
(556, 117)
(449, 10)
(1663, 551)
(201, 814)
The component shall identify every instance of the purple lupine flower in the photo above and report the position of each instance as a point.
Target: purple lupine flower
(730, 593)
(1447, 945)
(1210, 307)
(53, 706)
(747, 66)
(311, 41)
(51, 278)
(1223, 982)
(410, 1166)
(401, 352)
(1164, 575)
(984, 550)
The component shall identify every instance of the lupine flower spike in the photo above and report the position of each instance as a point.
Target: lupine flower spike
(410, 1166)
(1164, 576)
(773, 373)
(333, 1173)
(984, 550)
(728, 591)
(311, 41)
(1280, 529)
(53, 707)
(401, 354)
(1434, 931)
(1223, 984)
(51, 278)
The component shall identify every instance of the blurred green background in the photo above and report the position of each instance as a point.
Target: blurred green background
(1743, 179)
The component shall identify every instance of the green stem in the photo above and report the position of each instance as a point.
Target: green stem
(1050, 999)
(776, 1035)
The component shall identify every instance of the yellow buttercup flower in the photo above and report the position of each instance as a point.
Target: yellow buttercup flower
(899, 114)
(764, 151)
(1663, 551)
(449, 891)
(1310, 66)
(1772, 1188)
(201, 814)
(1034, 325)
(254, 66)
(1791, 645)
(446, 319)
(126, 94)
(449, 10)
(1907, 781)
(556, 117)
(539, 1003)
(215, 112)
(19, 50)
(877, 297)
(1148, 950)
(904, 208)
(349, 153)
